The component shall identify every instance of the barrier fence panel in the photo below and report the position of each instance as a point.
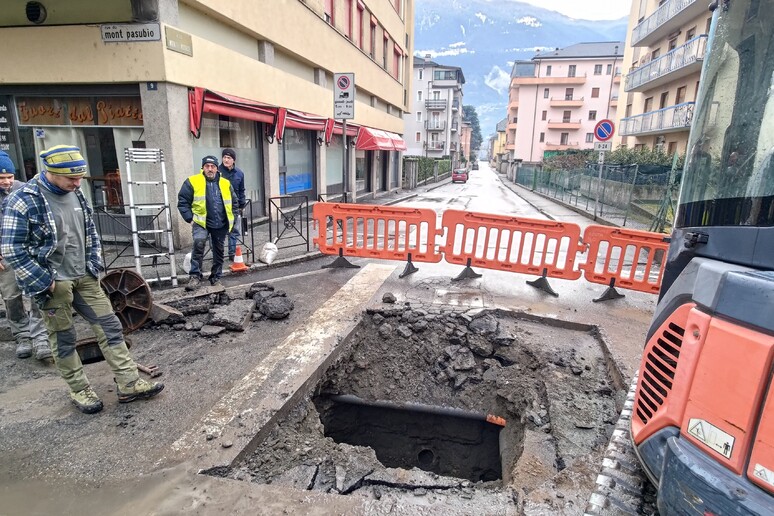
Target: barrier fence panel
(626, 258)
(528, 246)
(381, 232)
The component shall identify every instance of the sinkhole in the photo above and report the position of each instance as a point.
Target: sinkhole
(452, 402)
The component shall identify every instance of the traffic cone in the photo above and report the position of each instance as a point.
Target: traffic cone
(239, 263)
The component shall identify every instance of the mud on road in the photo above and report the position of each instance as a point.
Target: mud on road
(549, 380)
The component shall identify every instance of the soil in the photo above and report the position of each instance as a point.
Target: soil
(548, 381)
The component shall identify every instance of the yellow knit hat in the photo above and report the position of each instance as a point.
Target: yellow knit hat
(64, 160)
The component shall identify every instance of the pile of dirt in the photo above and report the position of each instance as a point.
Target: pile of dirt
(548, 382)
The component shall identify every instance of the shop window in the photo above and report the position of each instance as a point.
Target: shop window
(361, 170)
(296, 161)
(334, 166)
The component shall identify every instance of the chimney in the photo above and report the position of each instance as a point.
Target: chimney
(427, 58)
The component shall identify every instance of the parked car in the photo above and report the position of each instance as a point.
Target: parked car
(475, 165)
(459, 174)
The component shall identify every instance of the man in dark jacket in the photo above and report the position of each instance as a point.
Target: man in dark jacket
(236, 177)
(205, 202)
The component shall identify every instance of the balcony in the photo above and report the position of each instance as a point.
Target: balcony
(454, 127)
(683, 60)
(453, 146)
(513, 105)
(512, 123)
(445, 79)
(566, 101)
(435, 125)
(668, 120)
(518, 81)
(565, 123)
(437, 145)
(614, 101)
(665, 20)
(436, 104)
(510, 145)
(562, 146)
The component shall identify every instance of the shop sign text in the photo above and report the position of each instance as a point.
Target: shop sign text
(102, 111)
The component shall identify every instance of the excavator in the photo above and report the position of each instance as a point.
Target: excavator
(702, 422)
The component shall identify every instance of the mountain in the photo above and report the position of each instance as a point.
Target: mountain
(485, 37)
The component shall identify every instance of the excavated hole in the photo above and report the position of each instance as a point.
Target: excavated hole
(400, 413)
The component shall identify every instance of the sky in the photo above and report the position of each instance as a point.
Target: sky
(586, 9)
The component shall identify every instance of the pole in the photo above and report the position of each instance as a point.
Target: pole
(599, 183)
(345, 167)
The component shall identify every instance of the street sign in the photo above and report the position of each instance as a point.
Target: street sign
(601, 159)
(344, 96)
(604, 130)
(603, 146)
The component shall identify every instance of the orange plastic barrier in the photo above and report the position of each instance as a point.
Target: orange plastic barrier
(528, 246)
(373, 231)
(627, 258)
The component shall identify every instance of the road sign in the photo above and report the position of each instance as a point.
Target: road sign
(601, 158)
(344, 96)
(604, 130)
(603, 146)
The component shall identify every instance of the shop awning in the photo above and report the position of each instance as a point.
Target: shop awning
(376, 139)
(202, 101)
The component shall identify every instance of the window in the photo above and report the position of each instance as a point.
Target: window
(571, 71)
(655, 54)
(690, 34)
(548, 71)
(696, 91)
(545, 93)
(419, 116)
(628, 110)
(348, 18)
(594, 93)
(671, 148)
(566, 116)
(420, 76)
(436, 95)
(680, 97)
(418, 136)
(419, 95)
(648, 105)
(609, 69)
(329, 12)
(544, 115)
(385, 50)
(396, 57)
(542, 137)
(598, 69)
(662, 103)
(564, 139)
(373, 41)
(709, 23)
(639, 146)
(568, 93)
(397, 4)
(592, 115)
(359, 29)
(672, 43)
(589, 137)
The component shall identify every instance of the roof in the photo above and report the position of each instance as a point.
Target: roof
(502, 124)
(421, 62)
(581, 50)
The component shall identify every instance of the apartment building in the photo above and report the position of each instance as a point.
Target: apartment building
(434, 120)
(192, 77)
(665, 47)
(557, 98)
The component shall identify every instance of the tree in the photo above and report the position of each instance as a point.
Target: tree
(470, 116)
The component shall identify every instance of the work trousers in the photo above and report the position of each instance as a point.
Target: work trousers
(86, 297)
(216, 237)
(24, 326)
(236, 233)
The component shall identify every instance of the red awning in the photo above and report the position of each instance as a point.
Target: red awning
(202, 101)
(352, 129)
(376, 139)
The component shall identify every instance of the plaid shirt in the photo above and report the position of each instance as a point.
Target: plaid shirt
(29, 238)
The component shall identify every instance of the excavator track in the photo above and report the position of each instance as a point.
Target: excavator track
(622, 486)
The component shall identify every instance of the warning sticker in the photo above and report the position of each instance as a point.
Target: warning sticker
(712, 436)
(764, 474)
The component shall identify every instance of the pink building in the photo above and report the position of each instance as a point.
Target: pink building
(558, 97)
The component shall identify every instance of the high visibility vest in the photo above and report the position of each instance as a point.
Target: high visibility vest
(199, 205)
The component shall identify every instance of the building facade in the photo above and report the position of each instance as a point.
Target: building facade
(434, 120)
(665, 47)
(194, 77)
(557, 98)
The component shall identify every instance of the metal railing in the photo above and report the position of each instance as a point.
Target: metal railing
(436, 145)
(435, 125)
(289, 221)
(436, 104)
(676, 117)
(680, 57)
(662, 15)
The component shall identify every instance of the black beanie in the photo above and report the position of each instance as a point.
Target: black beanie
(229, 152)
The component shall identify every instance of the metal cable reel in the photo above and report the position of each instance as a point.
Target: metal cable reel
(130, 297)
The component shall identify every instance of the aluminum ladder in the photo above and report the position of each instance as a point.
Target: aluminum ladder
(152, 156)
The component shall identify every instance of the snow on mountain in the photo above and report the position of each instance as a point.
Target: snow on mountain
(485, 37)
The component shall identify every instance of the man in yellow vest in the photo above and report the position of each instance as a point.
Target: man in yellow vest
(204, 201)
